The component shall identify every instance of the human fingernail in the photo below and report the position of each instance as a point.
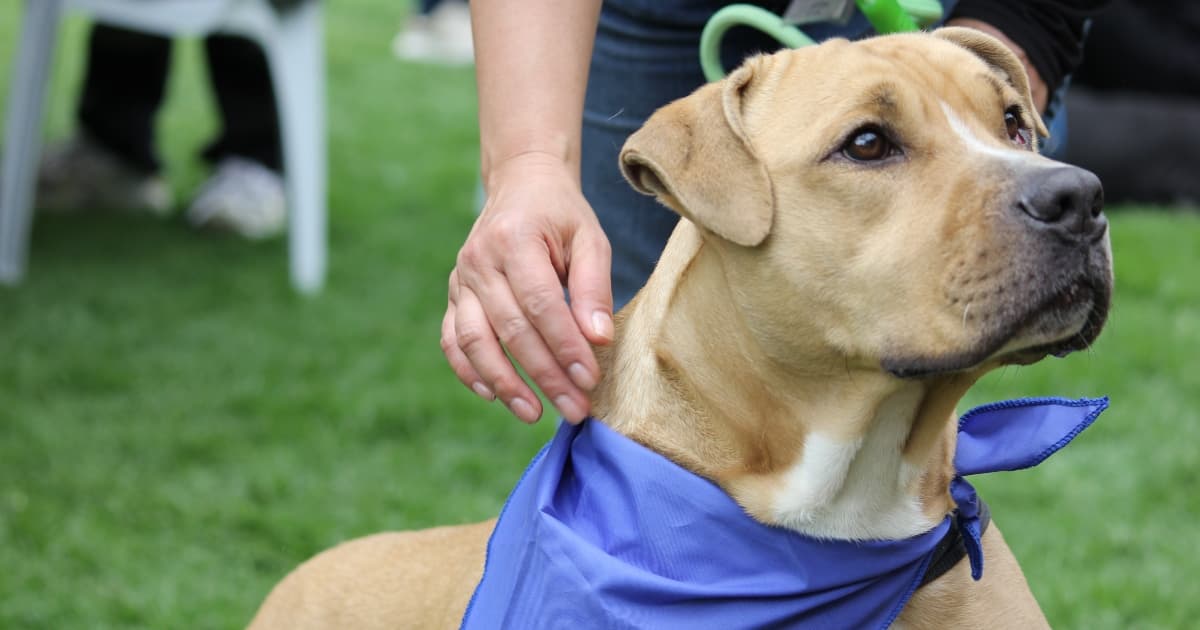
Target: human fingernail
(567, 407)
(482, 391)
(581, 376)
(602, 324)
(523, 410)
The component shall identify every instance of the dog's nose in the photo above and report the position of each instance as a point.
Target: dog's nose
(1065, 199)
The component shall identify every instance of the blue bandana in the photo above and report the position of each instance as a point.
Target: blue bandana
(603, 533)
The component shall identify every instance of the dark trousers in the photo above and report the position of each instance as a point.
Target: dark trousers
(126, 78)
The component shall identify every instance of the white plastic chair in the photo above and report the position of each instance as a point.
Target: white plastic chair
(292, 41)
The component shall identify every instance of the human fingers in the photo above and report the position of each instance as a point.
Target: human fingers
(516, 260)
(538, 291)
(479, 343)
(458, 360)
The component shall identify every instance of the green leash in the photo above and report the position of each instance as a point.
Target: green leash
(886, 16)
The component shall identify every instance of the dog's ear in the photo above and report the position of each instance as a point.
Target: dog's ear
(694, 155)
(997, 55)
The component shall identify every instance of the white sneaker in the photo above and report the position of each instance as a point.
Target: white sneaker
(243, 197)
(443, 36)
(80, 174)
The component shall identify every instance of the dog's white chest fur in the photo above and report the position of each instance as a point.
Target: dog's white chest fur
(855, 489)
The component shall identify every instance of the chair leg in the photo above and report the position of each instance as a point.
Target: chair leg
(296, 56)
(22, 134)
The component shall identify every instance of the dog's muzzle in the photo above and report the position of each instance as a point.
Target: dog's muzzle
(1064, 201)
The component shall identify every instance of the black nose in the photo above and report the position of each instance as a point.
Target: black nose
(1065, 199)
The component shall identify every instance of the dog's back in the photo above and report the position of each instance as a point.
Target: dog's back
(418, 579)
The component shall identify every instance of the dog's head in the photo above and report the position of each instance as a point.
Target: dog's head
(883, 203)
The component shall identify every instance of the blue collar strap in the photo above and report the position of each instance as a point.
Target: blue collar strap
(603, 533)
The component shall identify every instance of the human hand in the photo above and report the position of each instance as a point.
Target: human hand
(536, 234)
(1037, 87)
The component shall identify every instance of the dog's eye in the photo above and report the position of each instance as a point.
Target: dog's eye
(1017, 131)
(868, 144)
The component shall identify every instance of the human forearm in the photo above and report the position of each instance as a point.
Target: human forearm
(531, 68)
(536, 234)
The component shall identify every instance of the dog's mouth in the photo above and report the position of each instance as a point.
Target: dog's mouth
(1066, 320)
(1071, 318)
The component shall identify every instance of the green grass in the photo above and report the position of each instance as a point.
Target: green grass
(177, 429)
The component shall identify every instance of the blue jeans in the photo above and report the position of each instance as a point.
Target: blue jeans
(644, 58)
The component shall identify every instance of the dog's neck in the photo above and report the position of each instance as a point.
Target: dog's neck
(826, 450)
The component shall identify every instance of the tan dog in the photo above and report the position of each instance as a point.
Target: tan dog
(869, 231)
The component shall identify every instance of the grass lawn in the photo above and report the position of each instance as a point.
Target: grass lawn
(177, 429)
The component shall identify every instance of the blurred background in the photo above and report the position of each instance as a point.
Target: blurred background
(178, 428)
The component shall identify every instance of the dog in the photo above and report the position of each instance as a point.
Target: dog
(867, 230)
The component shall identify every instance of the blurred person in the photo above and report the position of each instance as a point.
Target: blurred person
(439, 32)
(1135, 104)
(561, 86)
(112, 160)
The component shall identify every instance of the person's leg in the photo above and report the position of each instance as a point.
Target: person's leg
(635, 69)
(111, 161)
(640, 62)
(439, 31)
(241, 81)
(124, 82)
(245, 194)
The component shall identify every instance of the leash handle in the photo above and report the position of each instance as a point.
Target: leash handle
(743, 15)
(886, 16)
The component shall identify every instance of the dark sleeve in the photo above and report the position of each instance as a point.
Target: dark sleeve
(1050, 31)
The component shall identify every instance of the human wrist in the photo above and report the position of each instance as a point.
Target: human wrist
(553, 158)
